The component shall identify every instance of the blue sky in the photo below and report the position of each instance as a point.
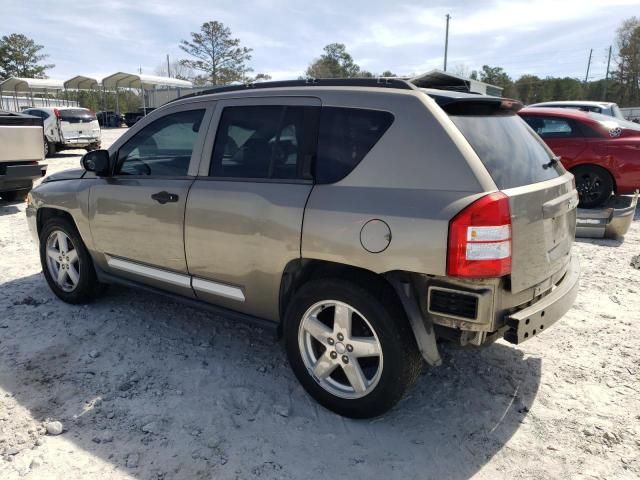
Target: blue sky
(542, 37)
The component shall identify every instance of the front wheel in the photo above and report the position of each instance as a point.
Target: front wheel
(66, 263)
(594, 185)
(352, 352)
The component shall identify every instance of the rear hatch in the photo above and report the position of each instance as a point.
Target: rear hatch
(78, 125)
(542, 195)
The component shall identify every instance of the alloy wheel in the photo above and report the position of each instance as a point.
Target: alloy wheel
(62, 261)
(340, 349)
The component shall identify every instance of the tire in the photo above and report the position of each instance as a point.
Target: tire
(16, 195)
(86, 286)
(386, 377)
(49, 148)
(594, 185)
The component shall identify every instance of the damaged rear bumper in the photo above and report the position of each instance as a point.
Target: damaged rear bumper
(536, 318)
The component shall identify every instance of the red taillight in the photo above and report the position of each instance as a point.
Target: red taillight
(480, 239)
(56, 112)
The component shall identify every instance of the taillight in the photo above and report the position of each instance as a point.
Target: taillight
(56, 112)
(480, 239)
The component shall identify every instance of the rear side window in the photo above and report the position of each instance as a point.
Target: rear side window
(553, 127)
(513, 155)
(76, 115)
(260, 142)
(346, 135)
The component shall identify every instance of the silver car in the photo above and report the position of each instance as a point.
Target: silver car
(363, 220)
(605, 108)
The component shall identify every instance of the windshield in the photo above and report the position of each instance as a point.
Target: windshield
(615, 110)
(512, 153)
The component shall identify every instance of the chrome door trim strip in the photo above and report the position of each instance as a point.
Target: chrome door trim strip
(220, 289)
(149, 272)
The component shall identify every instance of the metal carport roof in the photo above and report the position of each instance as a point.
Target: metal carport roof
(81, 83)
(147, 82)
(17, 84)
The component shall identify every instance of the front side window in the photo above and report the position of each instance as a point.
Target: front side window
(163, 147)
(264, 142)
(552, 127)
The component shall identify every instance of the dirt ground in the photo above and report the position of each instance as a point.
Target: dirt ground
(148, 389)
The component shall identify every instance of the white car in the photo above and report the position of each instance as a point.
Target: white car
(68, 127)
(605, 108)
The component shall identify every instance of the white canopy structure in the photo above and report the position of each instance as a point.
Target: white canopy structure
(15, 85)
(81, 82)
(144, 82)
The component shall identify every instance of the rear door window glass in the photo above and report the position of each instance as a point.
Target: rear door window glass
(260, 142)
(513, 155)
(163, 147)
(76, 115)
(552, 127)
(345, 136)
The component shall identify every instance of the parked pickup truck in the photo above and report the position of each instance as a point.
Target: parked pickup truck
(20, 151)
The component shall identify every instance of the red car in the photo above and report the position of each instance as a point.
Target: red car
(601, 151)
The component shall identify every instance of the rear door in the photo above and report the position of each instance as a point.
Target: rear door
(542, 195)
(244, 213)
(78, 125)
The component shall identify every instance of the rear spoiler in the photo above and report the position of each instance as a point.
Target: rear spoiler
(477, 105)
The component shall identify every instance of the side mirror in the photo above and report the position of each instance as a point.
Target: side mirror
(97, 162)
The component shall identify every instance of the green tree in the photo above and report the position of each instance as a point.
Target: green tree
(388, 73)
(628, 62)
(335, 62)
(217, 54)
(528, 89)
(20, 57)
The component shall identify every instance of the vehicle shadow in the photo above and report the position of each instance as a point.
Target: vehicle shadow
(9, 208)
(191, 396)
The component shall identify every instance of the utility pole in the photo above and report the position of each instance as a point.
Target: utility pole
(168, 67)
(446, 42)
(588, 66)
(606, 78)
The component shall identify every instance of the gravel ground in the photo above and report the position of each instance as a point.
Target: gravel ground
(146, 388)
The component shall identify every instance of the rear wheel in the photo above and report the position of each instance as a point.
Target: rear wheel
(352, 352)
(594, 185)
(49, 148)
(66, 263)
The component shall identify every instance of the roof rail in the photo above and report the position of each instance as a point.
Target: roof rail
(379, 82)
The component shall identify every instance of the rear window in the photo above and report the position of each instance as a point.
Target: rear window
(345, 136)
(76, 115)
(513, 155)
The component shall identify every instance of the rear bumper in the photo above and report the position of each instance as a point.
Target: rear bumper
(16, 177)
(530, 321)
(81, 142)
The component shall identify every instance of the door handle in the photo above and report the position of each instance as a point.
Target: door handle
(165, 197)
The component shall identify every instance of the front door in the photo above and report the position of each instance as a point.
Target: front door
(245, 210)
(137, 215)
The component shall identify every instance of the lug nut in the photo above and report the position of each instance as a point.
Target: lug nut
(345, 359)
(340, 337)
(330, 341)
(333, 355)
(350, 348)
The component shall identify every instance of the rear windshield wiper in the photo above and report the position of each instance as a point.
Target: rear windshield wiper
(551, 163)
